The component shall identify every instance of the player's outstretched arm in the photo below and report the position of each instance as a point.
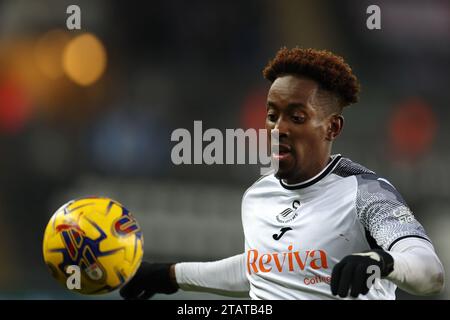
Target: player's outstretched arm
(225, 277)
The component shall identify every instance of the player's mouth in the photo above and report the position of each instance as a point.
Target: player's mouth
(283, 153)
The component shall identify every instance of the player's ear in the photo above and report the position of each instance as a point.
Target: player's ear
(335, 125)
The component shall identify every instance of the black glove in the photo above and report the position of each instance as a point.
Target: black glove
(352, 272)
(150, 278)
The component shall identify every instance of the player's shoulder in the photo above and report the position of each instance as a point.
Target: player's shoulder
(346, 168)
(369, 182)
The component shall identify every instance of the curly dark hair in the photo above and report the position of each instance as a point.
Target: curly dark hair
(329, 70)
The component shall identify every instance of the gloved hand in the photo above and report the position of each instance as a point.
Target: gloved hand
(150, 278)
(352, 272)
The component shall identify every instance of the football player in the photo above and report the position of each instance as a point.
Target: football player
(321, 226)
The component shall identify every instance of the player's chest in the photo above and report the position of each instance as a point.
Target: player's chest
(324, 220)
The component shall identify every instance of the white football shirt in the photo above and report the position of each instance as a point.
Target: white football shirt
(296, 234)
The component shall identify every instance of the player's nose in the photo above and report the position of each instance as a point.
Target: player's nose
(282, 126)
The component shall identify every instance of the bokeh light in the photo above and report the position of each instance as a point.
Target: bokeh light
(14, 107)
(84, 59)
(49, 51)
(412, 129)
(253, 110)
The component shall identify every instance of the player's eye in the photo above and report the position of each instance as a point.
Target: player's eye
(271, 117)
(298, 119)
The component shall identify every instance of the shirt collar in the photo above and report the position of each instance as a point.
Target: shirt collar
(322, 174)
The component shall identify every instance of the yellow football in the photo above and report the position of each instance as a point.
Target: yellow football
(93, 245)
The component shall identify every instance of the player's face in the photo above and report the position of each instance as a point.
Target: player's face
(304, 149)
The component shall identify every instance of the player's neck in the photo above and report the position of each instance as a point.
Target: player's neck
(311, 172)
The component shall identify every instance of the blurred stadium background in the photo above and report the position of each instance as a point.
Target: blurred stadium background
(90, 112)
